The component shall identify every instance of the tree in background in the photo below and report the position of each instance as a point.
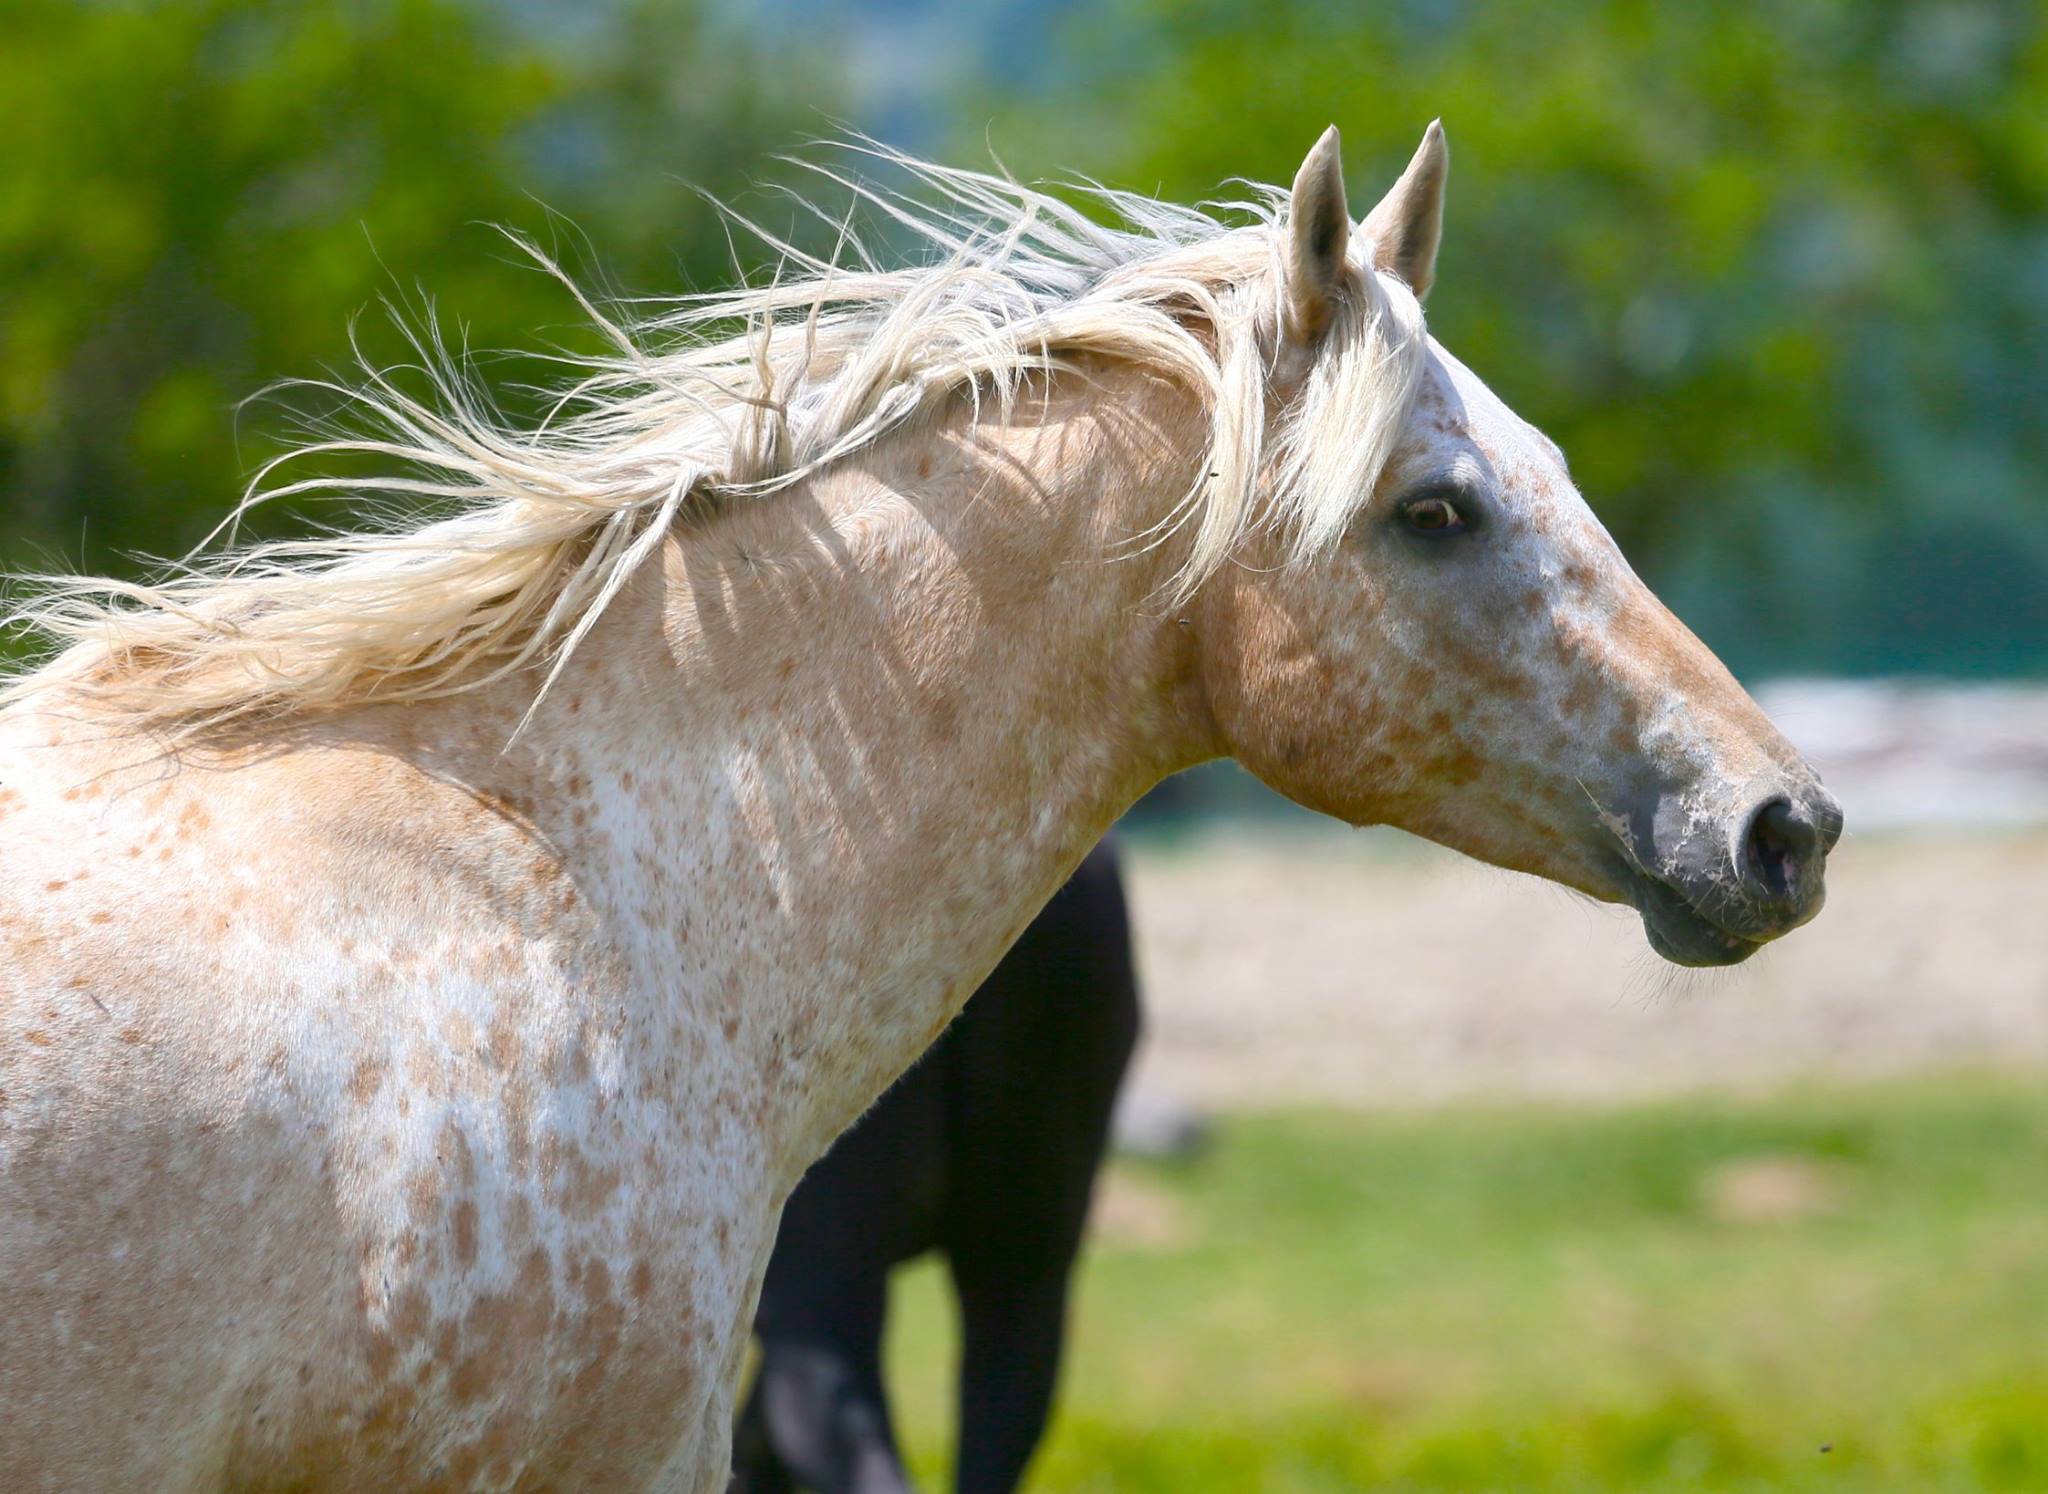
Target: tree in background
(1774, 272)
(196, 199)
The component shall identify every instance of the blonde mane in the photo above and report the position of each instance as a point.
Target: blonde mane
(526, 535)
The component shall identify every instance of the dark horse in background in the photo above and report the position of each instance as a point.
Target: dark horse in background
(986, 1151)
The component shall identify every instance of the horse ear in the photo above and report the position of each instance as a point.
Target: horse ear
(1409, 222)
(1318, 237)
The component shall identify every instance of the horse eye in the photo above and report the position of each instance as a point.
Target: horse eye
(1433, 516)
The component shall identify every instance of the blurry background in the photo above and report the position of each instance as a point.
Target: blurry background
(1493, 1201)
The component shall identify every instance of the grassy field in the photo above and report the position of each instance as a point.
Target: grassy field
(1841, 1289)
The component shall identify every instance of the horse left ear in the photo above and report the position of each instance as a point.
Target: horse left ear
(1409, 222)
(1318, 238)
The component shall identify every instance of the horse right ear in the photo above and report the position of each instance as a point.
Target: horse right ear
(1318, 238)
(1406, 227)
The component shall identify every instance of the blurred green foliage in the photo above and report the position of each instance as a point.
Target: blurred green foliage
(1773, 272)
(198, 198)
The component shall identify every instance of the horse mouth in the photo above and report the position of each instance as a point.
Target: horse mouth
(1680, 932)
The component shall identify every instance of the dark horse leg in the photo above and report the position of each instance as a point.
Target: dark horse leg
(755, 1467)
(1011, 1335)
(1037, 1083)
(816, 1417)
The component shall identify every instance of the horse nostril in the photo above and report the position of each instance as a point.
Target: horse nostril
(1780, 843)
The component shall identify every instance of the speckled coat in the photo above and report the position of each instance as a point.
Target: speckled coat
(383, 1108)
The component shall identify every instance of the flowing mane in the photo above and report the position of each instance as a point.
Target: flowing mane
(505, 545)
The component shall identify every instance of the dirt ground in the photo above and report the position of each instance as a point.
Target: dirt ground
(1291, 966)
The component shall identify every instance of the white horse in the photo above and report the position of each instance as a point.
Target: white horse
(431, 955)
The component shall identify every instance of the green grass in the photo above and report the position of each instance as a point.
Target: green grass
(1540, 1299)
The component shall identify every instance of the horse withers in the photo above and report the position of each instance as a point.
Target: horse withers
(430, 955)
(986, 1152)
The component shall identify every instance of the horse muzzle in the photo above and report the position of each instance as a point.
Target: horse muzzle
(1713, 889)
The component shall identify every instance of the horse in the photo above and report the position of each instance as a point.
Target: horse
(986, 1151)
(431, 951)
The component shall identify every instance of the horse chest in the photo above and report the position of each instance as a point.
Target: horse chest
(557, 1286)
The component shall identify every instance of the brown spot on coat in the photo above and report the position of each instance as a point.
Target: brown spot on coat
(464, 1226)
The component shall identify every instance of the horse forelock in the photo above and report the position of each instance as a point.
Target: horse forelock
(531, 532)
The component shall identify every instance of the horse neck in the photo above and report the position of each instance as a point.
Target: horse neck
(865, 729)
